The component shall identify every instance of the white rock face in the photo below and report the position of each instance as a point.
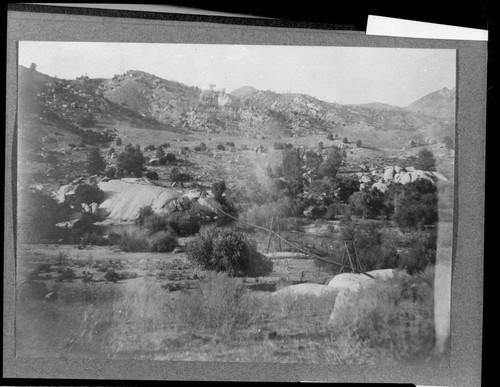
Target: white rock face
(349, 281)
(380, 186)
(125, 197)
(306, 290)
(383, 274)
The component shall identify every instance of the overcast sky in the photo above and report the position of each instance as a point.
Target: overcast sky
(347, 75)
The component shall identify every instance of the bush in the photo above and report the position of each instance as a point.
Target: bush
(279, 145)
(144, 213)
(421, 253)
(244, 147)
(345, 140)
(110, 172)
(359, 144)
(329, 137)
(94, 239)
(95, 162)
(149, 148)
(129, 242)
(229, 251)
(160, 153)
(71, 145)
(130, 161)
(331, 164)
(87, 193)
(219, 306)
(178, 177)
(201, 148)
(220, 147)
(425, 160)
(180, 223)
(118, 141)
(368, 204)
(170, 158)
(163, 242)
(393, 317)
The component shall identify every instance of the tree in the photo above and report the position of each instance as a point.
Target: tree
(359, 144)
(368, 204)
(130, 161)
(331, 164)
(320, 145)
(218, 188)
(425, 160)
(291, 165)
(95, 162)
(329, 137)
(345, 140)
(160, 152)
(87, 194)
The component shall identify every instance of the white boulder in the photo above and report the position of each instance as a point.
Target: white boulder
(389, 174)
(380, 186)
(350, 281)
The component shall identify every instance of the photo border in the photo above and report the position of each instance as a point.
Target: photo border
(468, 264)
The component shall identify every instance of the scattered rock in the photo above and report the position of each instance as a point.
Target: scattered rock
(306, 289)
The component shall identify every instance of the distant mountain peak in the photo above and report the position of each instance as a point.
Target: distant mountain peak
(439, 104)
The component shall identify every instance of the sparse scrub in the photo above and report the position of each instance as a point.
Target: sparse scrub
(150, 147)
(393, 317)
(163, 242)
(129, 242)
(217, 307)
(229, 251)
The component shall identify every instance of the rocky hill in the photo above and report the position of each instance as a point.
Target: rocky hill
(439, 104)
(147, 101)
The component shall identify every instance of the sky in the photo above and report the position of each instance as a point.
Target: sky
(346, 75)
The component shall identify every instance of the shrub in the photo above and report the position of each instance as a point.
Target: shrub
(149, 148)
(368, 204)
(425, 160)
(130, 161)
(201, 147)
(218, 188)
(95, 239)
(71, 145)
(393, 317)
(130, 242)
(279, 145)
(230, 144)
(177, 176)
(220, 147)
(345, 140)
(165, 145)
(329, 137)
(180, 223)
(118, 141)
(87, 193)
(170, 158)
(110, 172)
(219, 306)
(163, 242)
(95, 162)
(331, 164)
(421, 252)
(144, 213)
(244, 147)
(229, 251)
(160, 153)
(359, 144)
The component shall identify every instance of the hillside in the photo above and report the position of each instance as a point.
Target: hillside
(142, 100)
(439, 104)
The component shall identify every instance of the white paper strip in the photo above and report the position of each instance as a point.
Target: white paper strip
(386, 26)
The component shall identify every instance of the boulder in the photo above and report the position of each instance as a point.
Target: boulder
(418, 174)
(365, 179)
(439, 176)
(410, 169)
(75, 223)
(306, 289)
(350, 281)
(382, 274)
(124, 198)
(380, 186)
(389, 174)
(211, 203)
(397, 169)
(346, 298)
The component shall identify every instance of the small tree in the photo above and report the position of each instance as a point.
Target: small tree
(160, 152)
(332, 163)
(130, 161)
(95, 162)
(320, 145)
(218, 189)
(345, 140)
(329, 137)
(87, 194)
(118, 141)
(359, 144)
(425, 160)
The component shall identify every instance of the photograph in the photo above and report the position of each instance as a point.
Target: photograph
(234, 203)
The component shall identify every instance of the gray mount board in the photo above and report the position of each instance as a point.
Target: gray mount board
(467, 281)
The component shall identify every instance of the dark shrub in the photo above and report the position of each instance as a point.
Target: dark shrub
(110, 172)
(165, 145)
(95, 162)
(130, 242)
(50, 159)
(180, 223)
(170, 157)
(163, 242)
(425, 160)
(229, 251)
(368, 204)
(218, 188)
(160, 153)
(118, 141)
(244, 147)
(94, 239)
(230, 144)
(87, 193)
(149, 148)
(144, 213)
(220, 147)
(130, 161)
(177, 176)
(151, 175)
(87, 120)
(71, 145)
(329, 137)
(359, 144)
(421, 252)
(279, 145)
(345, 140)
(201, 148)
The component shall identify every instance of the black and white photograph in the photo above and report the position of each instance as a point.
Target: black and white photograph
(235, 203)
